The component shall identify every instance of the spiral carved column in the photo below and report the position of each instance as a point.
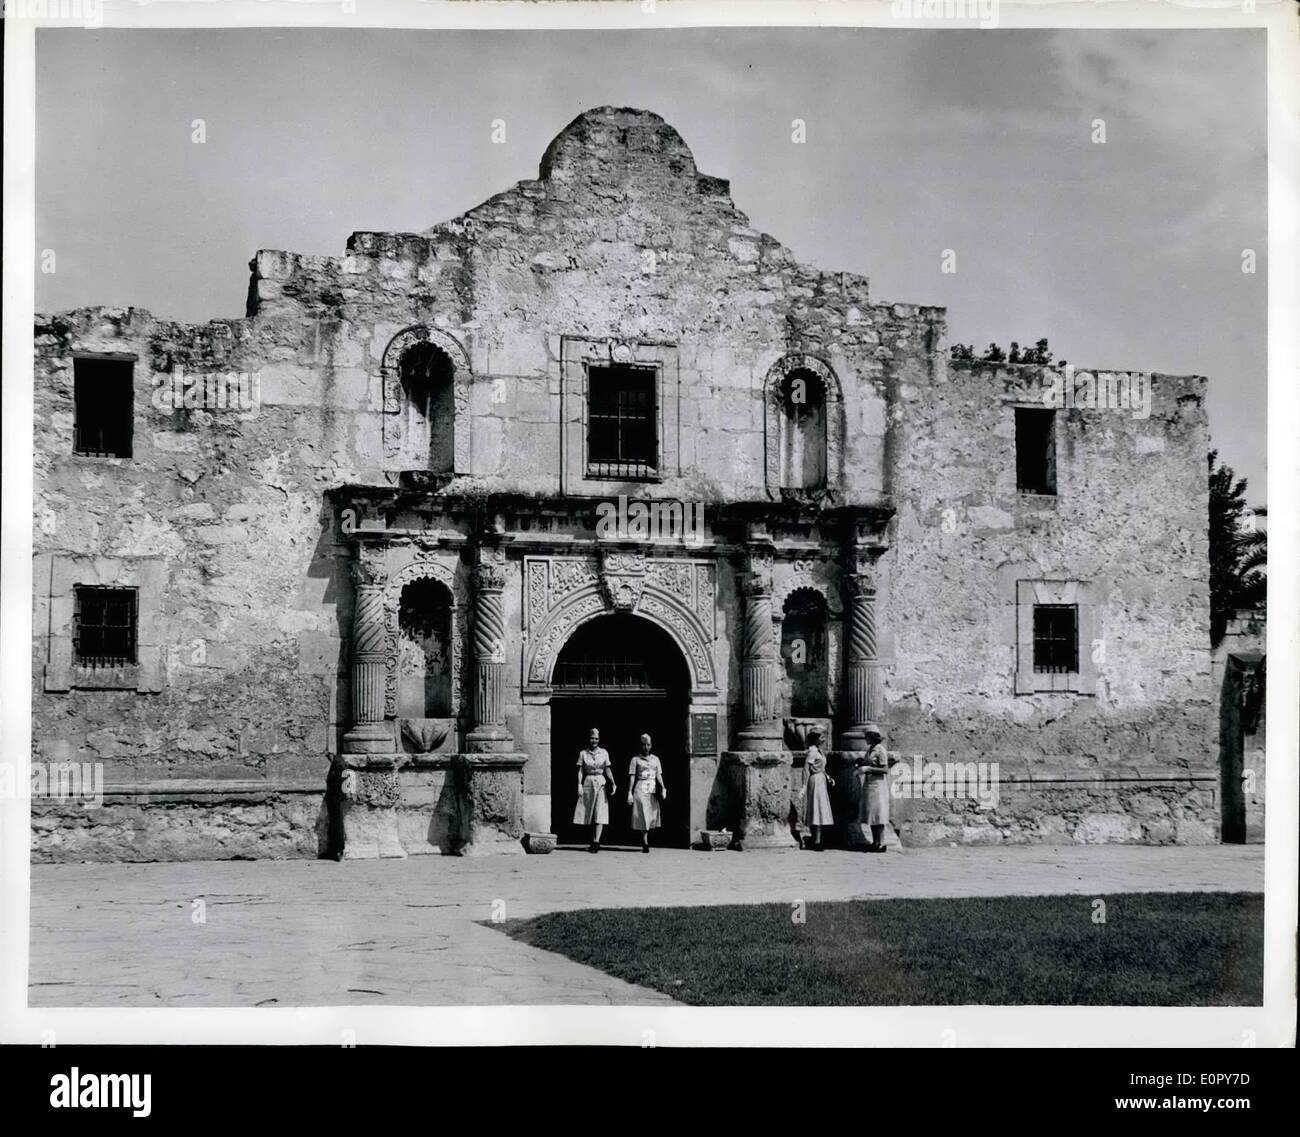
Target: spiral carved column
(370, 732)
(862, 678)
(761, 729)
(490, 732)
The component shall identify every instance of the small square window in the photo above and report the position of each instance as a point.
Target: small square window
(622, 422)
(103, 397)
(104, 626)
(1056, 639)
(1035, 450)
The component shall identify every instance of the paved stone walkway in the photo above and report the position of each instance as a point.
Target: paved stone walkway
(418, 931)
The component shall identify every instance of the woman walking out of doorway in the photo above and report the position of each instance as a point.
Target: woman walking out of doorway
(645, 791)
(594, 773)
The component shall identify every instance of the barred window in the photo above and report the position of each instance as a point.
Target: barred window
(104, 626)
(103, 407)
(622, 431)
(1056, 638)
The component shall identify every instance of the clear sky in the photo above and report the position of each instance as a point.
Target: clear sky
(1126, 254)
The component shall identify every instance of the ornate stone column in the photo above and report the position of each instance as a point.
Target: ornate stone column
(490, 733)
(369, 791)
(370, 731)
(490, 775)
(760, 655)
(757, 772)
(862, 696)
(862, 665)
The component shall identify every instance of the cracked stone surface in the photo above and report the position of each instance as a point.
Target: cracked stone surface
(418, 932)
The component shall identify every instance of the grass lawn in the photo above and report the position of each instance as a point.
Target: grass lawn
(1154, 949)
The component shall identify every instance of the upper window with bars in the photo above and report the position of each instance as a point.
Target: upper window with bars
(103, 406)
(622, 422)
(104, 626)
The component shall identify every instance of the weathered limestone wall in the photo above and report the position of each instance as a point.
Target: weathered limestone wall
(1130, 517)
(228, 504)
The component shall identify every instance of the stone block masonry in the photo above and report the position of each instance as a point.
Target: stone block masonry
(414, 467)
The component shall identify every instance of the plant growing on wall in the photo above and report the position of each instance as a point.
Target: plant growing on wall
(1238, 551)
(1039, 353)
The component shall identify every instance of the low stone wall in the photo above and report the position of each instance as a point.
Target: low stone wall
(185, 821)
(1043, 804)
(1147, 806)
(439, 809)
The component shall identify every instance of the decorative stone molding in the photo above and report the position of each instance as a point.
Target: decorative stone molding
(462, 387)
(818, 575)
(563, 593)
(774, 412)
(622, 577)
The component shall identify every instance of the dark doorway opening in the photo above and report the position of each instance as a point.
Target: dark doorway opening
(625, 677)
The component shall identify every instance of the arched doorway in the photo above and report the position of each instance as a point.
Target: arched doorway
(624, 676)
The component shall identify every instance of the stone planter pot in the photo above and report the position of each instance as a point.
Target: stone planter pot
(423, 736)
(539, 842)
(715, 840)
(797, 731)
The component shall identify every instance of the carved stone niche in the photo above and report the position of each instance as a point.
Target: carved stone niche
(442, 570)
(783, 437)
(397, 450)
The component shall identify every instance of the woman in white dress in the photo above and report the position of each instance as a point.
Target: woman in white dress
(594, 772)
(816, 799)
(873, 769)
(645, 791)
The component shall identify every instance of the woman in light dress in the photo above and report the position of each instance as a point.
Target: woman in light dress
(816, 799)
(645, 791)
(594, 773)
(873, 770)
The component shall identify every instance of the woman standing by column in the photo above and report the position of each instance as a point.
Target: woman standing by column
(816, 800)
(594, 771)
(645, 791)
(873, 769)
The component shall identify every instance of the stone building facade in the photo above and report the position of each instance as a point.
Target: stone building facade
(353, 575)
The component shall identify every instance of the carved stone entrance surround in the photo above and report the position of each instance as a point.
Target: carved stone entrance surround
(564, 592)
(505, 643)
